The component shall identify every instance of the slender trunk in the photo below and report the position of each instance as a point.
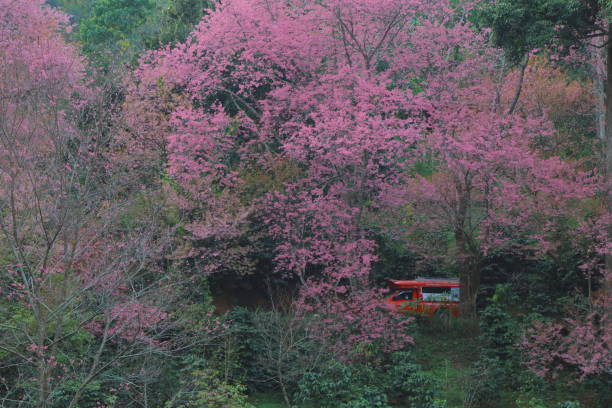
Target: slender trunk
(43, 368)
(43, 383)
(93, 370)
(608, 163)
(519, 86)
(598, 64)
(600, 111)
(285, 395)
(279, 372)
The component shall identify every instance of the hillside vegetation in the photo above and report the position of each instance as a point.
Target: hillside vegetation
(202, 203)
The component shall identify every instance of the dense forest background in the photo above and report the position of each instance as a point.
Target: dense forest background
(201, 202)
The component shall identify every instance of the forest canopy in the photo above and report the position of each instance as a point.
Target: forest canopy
(202, 203)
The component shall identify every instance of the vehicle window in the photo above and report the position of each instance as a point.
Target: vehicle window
(440, 294)
(454, 294)
(404, 295)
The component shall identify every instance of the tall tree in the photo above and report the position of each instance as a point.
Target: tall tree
(520, 26)
(267, 83)
(79, 268)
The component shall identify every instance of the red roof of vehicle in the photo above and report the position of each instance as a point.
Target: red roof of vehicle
(403, 284)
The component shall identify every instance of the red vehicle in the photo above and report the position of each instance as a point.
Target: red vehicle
(426, 296)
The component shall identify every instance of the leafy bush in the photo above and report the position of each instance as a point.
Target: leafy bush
(500, 367)
(274, 348)
(209, 390)
(409, 384)
(569, 404)
(533, 402)
(94, 395)
(369, 397)
(536, 402)
(363, 384)
(339, 386)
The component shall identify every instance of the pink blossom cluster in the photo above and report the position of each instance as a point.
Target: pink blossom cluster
(579, 344)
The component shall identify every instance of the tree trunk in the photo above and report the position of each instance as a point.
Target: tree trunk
(519, 86)
(469, 281)
(468, 257)
(599, 85)
(608, 163)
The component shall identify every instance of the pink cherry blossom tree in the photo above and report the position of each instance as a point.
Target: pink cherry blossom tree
(81, 270)
(579, 344)
(488, 188)
(487, 182)
(305, 84)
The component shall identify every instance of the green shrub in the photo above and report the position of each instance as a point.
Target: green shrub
(501, 367)
(209, 390)
(338, 386)
(410, 384)
(369, 397)
(363, 384)
(93, 395)
(274, 348)
(569, 404)
(533, 402)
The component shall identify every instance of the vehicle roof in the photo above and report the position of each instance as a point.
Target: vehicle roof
(405, 284)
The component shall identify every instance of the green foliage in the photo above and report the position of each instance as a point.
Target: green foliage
(539, 285)
(273, 348)
(209, 390)
(338, 386)
(534, 402)
(499, 329)
(364, 384)
(410, 384)
(520, 26)
(268, 400)
(112, 26)
(202, 386)
(113, 31)
(94, 395)
(501, 362)
(569, 404)
(537, 402)
(77, 9)
(247, 348)
(232, 355)
(175, 19)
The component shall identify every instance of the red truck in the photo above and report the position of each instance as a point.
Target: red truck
(426, 296)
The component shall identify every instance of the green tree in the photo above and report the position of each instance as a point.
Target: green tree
(520, 26)
(111, 27)
(174, 20)
(120, 30)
